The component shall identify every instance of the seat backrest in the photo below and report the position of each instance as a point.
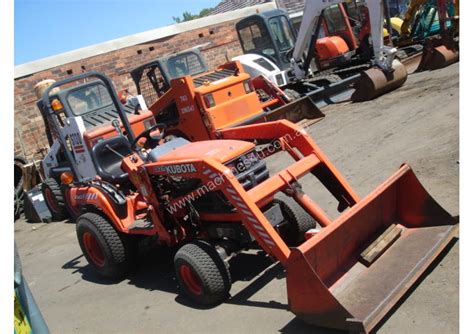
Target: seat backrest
(108, 155)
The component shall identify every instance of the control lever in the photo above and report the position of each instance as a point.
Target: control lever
(116, 125)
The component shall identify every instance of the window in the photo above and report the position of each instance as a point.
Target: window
(255, 37)
(265, 64)
(185, 64)
(281, 33)
(334, 19)
(89, 98)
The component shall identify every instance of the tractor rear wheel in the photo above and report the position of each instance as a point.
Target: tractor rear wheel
(110, 253)
(203, 276)
(299, 221)
(54, 199)
(73, 211)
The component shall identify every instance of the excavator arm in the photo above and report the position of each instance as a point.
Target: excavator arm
(410, 14)
(383, 55)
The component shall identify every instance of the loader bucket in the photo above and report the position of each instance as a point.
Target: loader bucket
(437, 57)
(294, 111)
(350, 274)
(375, 82)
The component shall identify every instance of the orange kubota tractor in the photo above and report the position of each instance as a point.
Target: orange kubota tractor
(196, 103)
(211, 199)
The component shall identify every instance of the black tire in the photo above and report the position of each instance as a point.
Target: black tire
(299, 221)
(119, 250)
(19, 162)
(18, 206)
(18, 175)
(54, 199)
(207, 268)
(73, 212)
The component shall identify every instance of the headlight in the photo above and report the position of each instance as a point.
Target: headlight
(209, 100)
(149, 122)
(248, 86)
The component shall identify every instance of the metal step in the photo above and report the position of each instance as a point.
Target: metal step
(141, 224)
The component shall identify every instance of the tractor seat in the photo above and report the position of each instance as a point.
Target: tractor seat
(108, 155)
(167, 147)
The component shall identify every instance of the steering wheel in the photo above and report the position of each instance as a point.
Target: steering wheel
(151, 140)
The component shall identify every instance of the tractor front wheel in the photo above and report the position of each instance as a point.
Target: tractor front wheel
(110, 253)
(202, 274)
(299, 221)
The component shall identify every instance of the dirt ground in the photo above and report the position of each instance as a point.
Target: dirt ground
(417, 124)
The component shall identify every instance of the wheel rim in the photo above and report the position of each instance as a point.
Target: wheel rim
(190, 279)
(51, 200)
(93, 249)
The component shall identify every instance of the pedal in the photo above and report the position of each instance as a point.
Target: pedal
(141, 224)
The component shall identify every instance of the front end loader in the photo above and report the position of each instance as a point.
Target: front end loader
(352, 271)
(212, 199)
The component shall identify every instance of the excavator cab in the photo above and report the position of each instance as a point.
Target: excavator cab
(269, 34)
(153, 79)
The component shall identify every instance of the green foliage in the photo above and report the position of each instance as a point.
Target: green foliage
(187, 16)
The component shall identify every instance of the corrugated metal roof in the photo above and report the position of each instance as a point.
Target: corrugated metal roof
(230, 5)
(292, 6)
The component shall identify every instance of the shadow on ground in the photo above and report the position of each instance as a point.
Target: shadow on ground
(155, 271)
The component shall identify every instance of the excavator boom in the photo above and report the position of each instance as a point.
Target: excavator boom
(386, 74)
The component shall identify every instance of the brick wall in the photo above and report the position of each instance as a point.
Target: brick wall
(29, 128)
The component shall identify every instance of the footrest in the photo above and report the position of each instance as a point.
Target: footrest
(141, 224)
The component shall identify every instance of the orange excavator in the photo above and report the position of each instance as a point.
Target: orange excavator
(332, 34)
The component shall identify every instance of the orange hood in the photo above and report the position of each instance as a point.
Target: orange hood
(221, 150)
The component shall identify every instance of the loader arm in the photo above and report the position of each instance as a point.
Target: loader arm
(356, 268)
(383, 56)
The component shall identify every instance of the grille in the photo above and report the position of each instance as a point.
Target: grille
(152, 85)
(214, 76)
(102, 116)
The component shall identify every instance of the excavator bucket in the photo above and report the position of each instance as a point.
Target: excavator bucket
(437, 57)
(351, 273)
(375, 82)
